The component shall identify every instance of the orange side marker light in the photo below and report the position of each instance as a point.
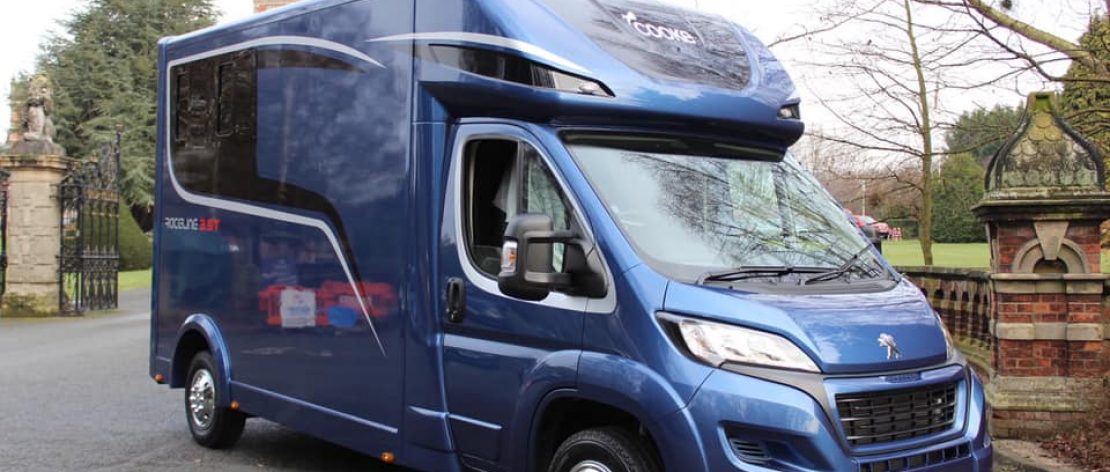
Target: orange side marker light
(159, 378)
(388, 457)
(234, 405)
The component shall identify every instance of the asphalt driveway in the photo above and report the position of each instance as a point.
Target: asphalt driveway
(74, 395)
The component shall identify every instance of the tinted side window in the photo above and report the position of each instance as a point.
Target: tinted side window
(180, 103)
(225, 105)
(214, 116)
(503, 179)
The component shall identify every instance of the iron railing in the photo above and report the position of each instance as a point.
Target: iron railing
(89, 257)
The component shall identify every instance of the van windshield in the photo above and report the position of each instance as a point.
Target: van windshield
(692, 208)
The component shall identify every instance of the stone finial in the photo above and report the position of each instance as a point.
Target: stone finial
(35, 132)
(1046, 168)
(1044, 157)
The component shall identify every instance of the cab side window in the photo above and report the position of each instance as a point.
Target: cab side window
(505, 178)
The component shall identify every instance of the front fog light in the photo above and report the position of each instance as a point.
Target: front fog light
(718, 343)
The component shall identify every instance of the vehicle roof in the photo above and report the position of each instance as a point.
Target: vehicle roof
(664, 64)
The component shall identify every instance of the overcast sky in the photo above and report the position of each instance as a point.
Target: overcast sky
(26, 23)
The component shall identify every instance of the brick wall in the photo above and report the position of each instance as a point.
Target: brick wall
(1026, 423)
(1034, 337)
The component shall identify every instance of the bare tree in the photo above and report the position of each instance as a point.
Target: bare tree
(995, 23)
(888, 191)
(883, 78)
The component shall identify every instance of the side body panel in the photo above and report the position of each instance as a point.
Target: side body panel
(285, 206)
(505, 354)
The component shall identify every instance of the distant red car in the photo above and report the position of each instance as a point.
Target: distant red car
(870, 228)
(882, 228)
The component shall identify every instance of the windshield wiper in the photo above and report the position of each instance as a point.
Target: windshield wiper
(744, 273)
(841, 271)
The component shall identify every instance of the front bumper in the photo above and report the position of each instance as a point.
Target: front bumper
(752, 424)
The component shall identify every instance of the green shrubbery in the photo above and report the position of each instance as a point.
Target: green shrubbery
(959, 186)
(1086, 104)
(135, 249)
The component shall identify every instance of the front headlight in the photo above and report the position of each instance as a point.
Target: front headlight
(718, 343)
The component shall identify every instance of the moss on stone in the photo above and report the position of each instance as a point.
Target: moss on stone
(28, 306)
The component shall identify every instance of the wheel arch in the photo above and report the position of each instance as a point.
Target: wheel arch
(199, 333)
(611, 390)
(566, 412)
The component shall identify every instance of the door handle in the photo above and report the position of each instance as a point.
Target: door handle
(456, 299)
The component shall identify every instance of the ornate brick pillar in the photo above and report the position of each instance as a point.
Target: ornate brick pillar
(34, 234)
(1043, 207)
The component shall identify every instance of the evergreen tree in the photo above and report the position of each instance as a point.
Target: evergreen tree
(1086, 103)
(135, 249)
(982, 132)
(104, 72)
(959, 187)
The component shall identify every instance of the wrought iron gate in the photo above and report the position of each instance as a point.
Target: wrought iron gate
(3, 231)
(89, 262)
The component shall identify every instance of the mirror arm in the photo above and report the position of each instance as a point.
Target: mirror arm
(549, 237)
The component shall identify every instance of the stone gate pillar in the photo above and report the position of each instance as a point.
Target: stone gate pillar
(1045, 200)
(34, 233)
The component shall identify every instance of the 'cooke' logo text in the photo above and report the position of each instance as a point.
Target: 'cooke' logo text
(658, 31)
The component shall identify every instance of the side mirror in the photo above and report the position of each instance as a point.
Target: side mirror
(526, 261)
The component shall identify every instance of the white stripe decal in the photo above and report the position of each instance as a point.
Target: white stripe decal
(258, 211)
(491, 40)
(285, 41)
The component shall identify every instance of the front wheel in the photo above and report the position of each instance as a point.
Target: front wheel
(211, 425)
(604, 450)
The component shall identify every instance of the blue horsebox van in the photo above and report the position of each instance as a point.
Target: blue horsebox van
(529, 235)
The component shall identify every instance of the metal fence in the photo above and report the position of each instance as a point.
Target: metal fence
(3, 231)
(89, 261)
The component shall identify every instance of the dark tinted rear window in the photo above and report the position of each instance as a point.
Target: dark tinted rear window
(663, 42)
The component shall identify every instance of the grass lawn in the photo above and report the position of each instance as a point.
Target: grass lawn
(908, 253)
(134, 279)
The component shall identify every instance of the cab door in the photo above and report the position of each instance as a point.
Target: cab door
(500, 353)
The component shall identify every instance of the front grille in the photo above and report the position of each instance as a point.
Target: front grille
(918, 461)
(879, 417)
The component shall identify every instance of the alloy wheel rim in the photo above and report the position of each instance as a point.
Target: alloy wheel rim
(202, 399)
(590, 466)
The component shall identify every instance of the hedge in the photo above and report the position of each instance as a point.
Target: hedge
(135, 249)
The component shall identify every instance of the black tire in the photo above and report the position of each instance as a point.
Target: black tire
(617, 449)
(223, 426)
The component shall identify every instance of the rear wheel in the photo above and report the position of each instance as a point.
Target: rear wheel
(211, 425)
(604, 450)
